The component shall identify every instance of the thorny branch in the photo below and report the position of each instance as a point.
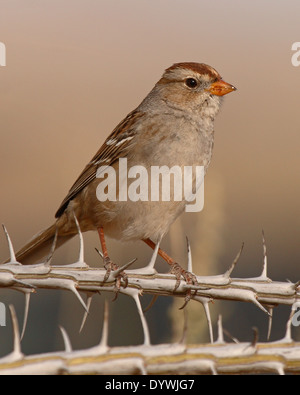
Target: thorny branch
(224, 358)
(218, 358)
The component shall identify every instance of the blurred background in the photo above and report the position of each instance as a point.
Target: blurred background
(74, 69)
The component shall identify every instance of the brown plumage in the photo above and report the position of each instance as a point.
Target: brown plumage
(172, 126)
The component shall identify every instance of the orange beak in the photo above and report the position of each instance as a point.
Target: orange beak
(221, 88)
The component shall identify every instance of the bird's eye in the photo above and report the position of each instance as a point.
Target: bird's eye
(191, 82)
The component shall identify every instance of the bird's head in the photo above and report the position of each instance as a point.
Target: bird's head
(193, 87)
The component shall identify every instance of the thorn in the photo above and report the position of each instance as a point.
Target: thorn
(100, 253)
(80, 262)
(255, 337)
(81, 249)
(265, 260)
(150, 267)
(288, 334)
(134, 293)
(258, 304)
(189, 253)
(12, 255)
(214, 370)
(228, 334)
(117, 272)
(72, 288)
(86, 313)
(220, 339)
(230, 270)
(270, 309)
(185, 327)
(208, 318)
(104, 336)
(26, 310)
(50, 256)
(280, 370)
(67, 342)
(17, 353)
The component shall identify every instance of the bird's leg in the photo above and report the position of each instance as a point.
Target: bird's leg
(176, 269)
(161, 253)
(109, 265)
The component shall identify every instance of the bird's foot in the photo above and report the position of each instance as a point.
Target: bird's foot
(119, 275)
(189, 277)
(179, 272)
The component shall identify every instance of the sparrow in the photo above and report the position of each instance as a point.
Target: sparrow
(173, 126)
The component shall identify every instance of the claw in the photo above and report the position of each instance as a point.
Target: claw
(178, 271)
(120, 275)
(109, 266)
(189, 277)
(187, 298)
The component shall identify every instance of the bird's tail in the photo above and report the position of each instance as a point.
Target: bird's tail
(40, 246)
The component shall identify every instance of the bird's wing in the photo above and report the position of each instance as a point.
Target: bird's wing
(113, 148)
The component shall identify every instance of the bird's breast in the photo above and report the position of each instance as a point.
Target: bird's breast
(174, 142)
